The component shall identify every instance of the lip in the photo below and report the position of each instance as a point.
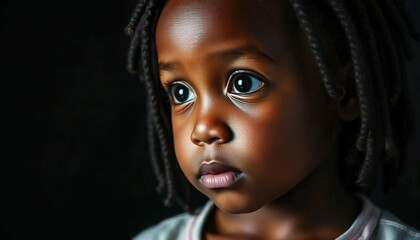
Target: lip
(214, 175)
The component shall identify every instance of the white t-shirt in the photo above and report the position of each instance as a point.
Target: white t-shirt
(371, 223)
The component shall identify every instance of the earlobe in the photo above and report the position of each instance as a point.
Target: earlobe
(348, 110)
(347, 105)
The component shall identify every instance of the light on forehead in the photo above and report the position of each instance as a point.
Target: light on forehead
(186, 25)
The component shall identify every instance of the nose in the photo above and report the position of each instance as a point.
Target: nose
(209, 129)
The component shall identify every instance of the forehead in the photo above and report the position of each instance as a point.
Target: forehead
(265, 10)
(190, 22)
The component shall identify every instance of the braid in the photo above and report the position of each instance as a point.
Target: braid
(153, 156)
(400, 26)
(374, 54)
(146, 51)
(372, 45)
(147, 12)
(306, 25)
(131, 29)
(135, 16)
(395, 70)
(132, 60)
(400, 43)
(390, 45)
(383, 120)
(366, 176)
(361, 73)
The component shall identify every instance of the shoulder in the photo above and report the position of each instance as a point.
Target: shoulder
(180, 227)
(376, 224)
(171, 228)
(390, 227)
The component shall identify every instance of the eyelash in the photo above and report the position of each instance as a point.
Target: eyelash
(258, 82)
(171, 87)
(248, 75)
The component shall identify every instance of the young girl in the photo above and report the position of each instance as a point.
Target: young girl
(282, 112)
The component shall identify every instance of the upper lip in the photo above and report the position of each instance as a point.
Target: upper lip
(214, 167)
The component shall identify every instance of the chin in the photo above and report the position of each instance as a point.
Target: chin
(235, 204)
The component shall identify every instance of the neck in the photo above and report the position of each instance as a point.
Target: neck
(319, 207)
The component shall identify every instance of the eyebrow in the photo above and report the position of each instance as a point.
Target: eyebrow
(167, 66)
(248, 50)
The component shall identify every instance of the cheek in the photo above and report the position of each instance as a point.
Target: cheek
(292, 138)
(184, 148)
(264, 136)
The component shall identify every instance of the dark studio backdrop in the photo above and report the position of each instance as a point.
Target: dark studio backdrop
(73, 156)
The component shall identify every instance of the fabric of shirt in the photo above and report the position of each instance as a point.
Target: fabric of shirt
(371, 223)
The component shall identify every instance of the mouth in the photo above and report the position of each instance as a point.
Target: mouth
(214, 175)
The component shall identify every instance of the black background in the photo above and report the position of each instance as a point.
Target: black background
(73, 158)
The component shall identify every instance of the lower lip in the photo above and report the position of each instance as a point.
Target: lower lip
(220, 180)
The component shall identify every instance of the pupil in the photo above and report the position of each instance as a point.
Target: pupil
(181, 93)
(243, 83)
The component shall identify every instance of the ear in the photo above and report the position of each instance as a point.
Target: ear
(347, 105)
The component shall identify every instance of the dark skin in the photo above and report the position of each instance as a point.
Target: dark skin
(281, 133)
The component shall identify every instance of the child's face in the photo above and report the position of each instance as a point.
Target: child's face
(242, 99)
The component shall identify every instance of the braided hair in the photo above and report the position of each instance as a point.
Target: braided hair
(375, 36)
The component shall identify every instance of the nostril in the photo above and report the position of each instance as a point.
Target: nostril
(201, 142)
(197, 142)
(213, 139)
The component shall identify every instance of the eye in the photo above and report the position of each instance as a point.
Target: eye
(243, 82)
(180, 93)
